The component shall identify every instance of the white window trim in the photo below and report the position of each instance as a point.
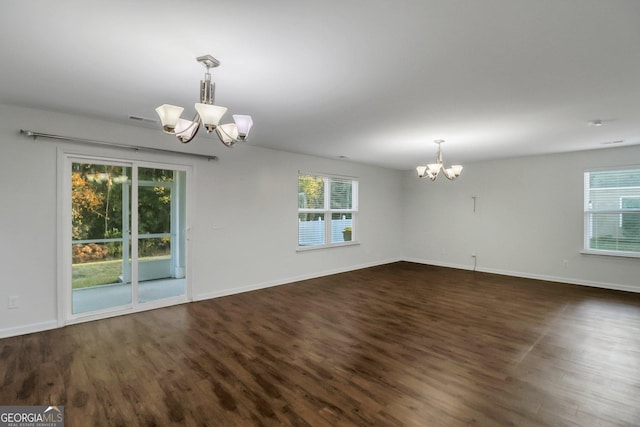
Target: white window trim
(610, 253)
(354, 211)
(587, 230)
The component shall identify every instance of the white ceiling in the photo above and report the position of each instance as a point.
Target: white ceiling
(373, 80)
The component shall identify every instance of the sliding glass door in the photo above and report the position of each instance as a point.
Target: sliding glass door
(161, 234)
(128, 225)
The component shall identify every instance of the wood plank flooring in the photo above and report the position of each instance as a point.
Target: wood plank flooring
(399, 344)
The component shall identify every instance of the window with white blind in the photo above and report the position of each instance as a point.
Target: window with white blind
(327, 210)
(612, 212)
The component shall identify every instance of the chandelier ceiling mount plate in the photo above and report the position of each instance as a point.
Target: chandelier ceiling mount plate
(208, 61)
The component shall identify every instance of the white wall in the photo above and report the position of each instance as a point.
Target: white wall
(244, 228)
(528, 219)
(247, 212)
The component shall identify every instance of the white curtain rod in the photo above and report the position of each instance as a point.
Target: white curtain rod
(34, 135)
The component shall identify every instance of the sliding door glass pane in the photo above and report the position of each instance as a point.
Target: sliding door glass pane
(100, 222)
(161, 233)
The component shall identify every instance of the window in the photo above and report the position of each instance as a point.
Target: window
(327, 210)
(612, 212)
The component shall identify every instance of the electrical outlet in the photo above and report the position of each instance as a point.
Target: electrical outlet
(13, 302)
(565, 263)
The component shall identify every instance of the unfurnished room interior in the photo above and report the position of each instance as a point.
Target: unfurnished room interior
(239, 213)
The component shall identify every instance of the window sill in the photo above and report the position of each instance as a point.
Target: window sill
(332, 245)
(611, 253)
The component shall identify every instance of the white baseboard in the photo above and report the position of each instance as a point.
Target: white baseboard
(439, 263)
(28, 329)
(292, 279)
(567, 280)
(43, 326)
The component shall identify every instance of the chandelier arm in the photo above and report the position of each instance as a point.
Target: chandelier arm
(228, 142)
(450, 178)
(195, 122)
(220, 130)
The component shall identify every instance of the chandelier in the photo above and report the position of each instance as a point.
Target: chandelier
(433, 169)
(208, 114)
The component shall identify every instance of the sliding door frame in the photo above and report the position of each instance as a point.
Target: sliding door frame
(64, 277)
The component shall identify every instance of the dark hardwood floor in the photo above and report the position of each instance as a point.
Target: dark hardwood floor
(399, 344)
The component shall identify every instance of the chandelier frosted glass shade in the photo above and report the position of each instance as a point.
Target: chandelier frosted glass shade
(433, 169)
(169, 116)
(207, 114)
(227, 133)
(210, 115)
(243, 124)
(185, 130)
(453, 172)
